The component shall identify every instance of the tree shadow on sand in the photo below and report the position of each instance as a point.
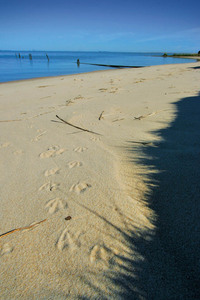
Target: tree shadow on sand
(170, 268)
(173, 254)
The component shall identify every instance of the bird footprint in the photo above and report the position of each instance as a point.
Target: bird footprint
(80, 187)
(67, 240)
(73, 164)
(55, 204)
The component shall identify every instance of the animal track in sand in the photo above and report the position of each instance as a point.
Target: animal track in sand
(51, 152)
(51, 172)
(45, 97)
(37, 138)
(79, 97)
(69, 102)
(55, 204)
(80, 149)
(73, 164)
(103, 90)
(4, 145)
(18, 152)
(95, 139)
(49, 187)
(6, 249)
(44, 86)
(80, 187)
(113, 90)
(100, 253)
(67, 240)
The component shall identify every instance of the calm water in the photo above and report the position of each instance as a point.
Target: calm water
(64, 63)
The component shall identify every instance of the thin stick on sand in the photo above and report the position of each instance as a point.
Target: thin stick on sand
(77, 127)
(21, 228)
(101, 115)
(145, 116)
(148, 115)
(3, 121)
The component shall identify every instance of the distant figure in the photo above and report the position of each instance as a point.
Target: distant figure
(78, 62)
(30, 56)
(19, 55)
(47, 57)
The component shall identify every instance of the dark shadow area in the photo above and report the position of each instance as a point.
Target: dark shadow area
(111, 66)
(171, 269)
(195, 68)
(164, 263)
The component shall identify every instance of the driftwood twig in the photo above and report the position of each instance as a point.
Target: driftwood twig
(148, 115)
(83, 129)
(4, 121)
(144, 116)
(21, 228)
(101, 115)
(139, 118)
(142, 143)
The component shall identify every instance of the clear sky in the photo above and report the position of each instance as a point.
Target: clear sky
(100, 25)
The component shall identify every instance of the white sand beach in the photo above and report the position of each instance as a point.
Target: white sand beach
(115, 210)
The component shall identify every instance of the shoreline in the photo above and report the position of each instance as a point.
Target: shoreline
(46, 77)
(111, 202)
(111, 69)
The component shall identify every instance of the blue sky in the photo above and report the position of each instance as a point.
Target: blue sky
(104, 25)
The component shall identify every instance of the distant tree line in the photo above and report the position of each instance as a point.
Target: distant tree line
(181, 54)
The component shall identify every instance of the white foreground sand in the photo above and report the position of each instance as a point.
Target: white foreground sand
(101, 235)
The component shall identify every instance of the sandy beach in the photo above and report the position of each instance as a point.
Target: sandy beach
(107, 206)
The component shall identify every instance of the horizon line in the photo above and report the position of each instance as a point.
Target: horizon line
(157, 51)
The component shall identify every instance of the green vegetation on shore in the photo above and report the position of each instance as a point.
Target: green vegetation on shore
(181, 54)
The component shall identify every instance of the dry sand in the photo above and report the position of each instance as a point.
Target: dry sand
(120, 205)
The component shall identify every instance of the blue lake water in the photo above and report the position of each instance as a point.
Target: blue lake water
(64, 62)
